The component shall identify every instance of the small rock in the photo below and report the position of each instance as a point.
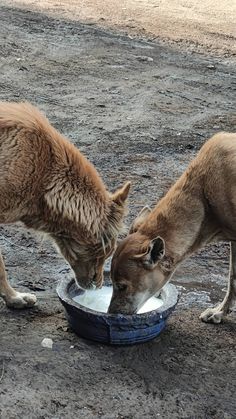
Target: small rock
(116, 397)
(189, 146)
(65, 328)
(211, 66)
(23, 68)
(146, 176)
(47, 343)
(144, 58)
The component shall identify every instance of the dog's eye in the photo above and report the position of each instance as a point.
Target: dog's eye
(122, 287)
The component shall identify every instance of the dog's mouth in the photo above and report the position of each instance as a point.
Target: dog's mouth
(121, 307)
(95, 282)
(86, 285)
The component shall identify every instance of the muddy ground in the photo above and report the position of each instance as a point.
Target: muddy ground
(140, 111)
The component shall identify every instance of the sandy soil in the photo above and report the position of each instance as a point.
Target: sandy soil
(139, 110)
(208, 24)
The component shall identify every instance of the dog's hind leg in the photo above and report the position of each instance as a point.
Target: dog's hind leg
(215, 314)
(13, 298)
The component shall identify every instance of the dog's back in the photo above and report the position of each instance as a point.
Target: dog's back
(24, 157)
(26, 133)
(207, 187)
(217, 162)
(36, 159)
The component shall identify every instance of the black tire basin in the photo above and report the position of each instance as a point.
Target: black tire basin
(115, 329)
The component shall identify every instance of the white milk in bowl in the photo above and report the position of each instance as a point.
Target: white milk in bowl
(99, 300)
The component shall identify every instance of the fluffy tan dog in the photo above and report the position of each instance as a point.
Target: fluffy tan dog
(46, 183)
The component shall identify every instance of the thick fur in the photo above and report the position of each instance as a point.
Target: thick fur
(46, 183)
(200, 208)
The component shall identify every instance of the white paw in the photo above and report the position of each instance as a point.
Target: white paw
(212, 315)
(21, 300)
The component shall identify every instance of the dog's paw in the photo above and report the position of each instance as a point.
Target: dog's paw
(21, 300)
(212, 315)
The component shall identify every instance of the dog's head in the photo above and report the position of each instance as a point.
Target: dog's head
(87, 257)
(139, 270)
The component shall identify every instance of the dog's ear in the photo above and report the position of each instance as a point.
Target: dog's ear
(139, 219)
(154, 252)
(121, 195)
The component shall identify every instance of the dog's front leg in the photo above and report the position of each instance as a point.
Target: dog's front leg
(13, 298)
(215, 314)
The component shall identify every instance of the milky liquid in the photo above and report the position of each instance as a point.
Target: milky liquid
(99, 300)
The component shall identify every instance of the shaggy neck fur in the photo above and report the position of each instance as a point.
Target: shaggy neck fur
(77, 195)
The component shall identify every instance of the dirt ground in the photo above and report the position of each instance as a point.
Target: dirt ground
(208, 24)
(140, 110)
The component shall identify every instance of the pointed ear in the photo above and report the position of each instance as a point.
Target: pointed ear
(121, 195)
(139, 219)
(154, 253)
